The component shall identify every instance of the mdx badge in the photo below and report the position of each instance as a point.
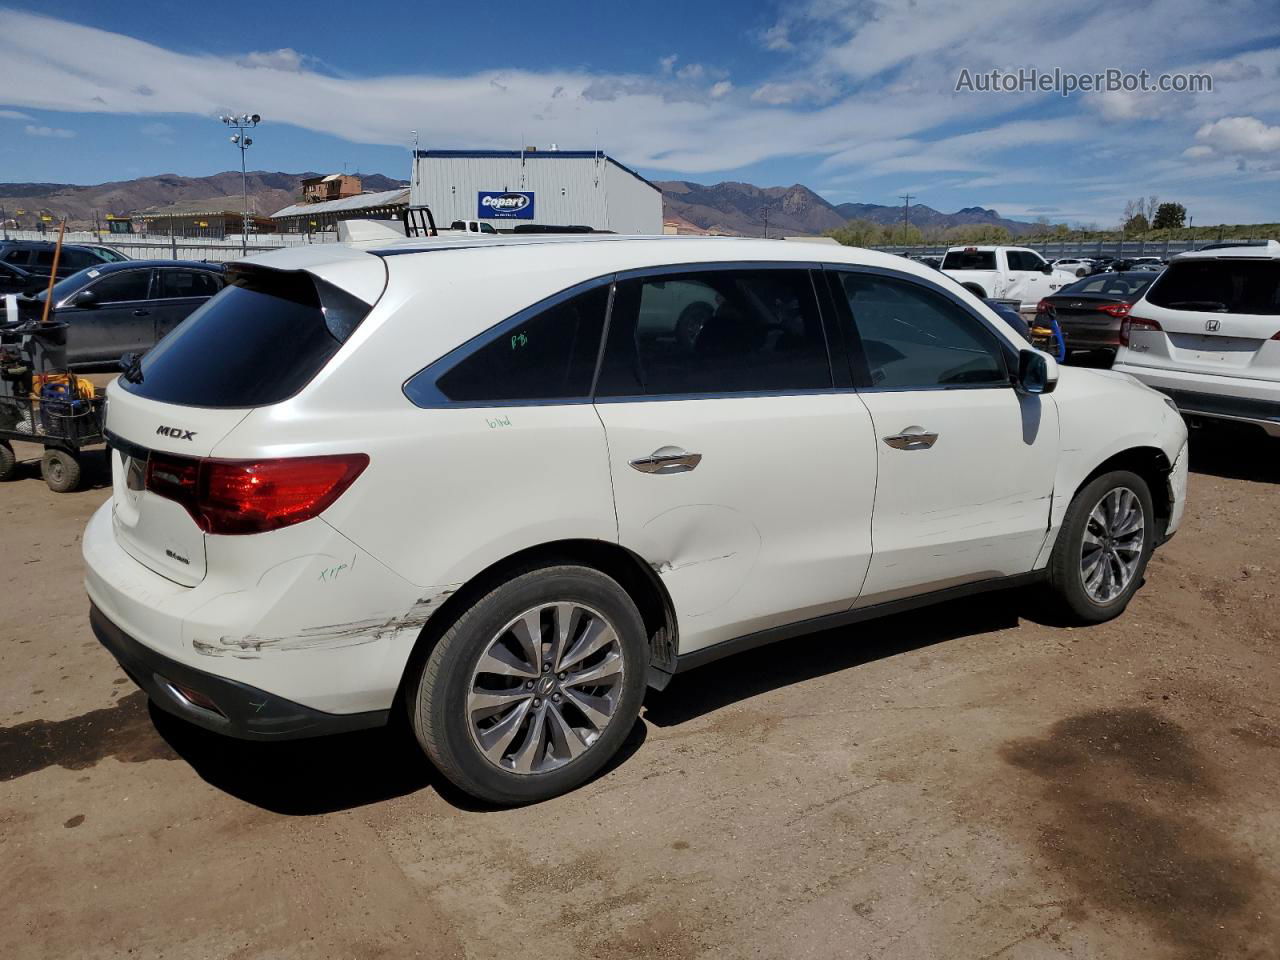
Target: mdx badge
(176, 433)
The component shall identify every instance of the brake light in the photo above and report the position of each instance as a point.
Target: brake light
(1120, 310)
(1139, 324)
(252, 496)
(1044, 306)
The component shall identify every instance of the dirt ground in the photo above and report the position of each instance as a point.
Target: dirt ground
(967, 782)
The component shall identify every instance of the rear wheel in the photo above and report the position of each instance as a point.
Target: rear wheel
(61, 471)
(1102, 551)
(8, 462)
(532, 690)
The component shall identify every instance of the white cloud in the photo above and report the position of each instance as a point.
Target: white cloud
(1240, 135)
(1198, 151)
(31, 130)
(14, 115)
(720, 88)
(285, 59)
(777, 37)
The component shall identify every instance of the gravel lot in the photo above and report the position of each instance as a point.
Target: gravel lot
(971, 781)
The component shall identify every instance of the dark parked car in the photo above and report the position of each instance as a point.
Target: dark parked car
(1090, 311)
(120, 308)
(36, 257)
(14, 280)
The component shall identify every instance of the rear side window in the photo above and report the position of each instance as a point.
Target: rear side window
(913, 337)
(187, 283)
(1219, 286)
(715, 332)
(258, 342)
(969, 260)
(546, 353)
(77, 260)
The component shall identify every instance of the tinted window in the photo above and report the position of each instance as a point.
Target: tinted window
(1024, 260)
(187, 283)
(109, 255)
(1108, 284)
(123, 286)
(715, 332)
(77, 260)
(1224, 286)
(913, 336)
(19, 256)
(550, 354)
(43, 258)
(258, 342)
(969, 260)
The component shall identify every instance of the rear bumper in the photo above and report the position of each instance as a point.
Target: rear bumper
(1239, 399)
(1080, 337)
(241, 710)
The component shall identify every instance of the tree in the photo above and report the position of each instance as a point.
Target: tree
(906, 235)
(858, 233)
(979, 233)
(1136, 224)
(1169, 216)
(1061, 230)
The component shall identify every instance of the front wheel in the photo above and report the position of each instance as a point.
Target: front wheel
(532, 690)
(8, 462)
(1106, 539)
(61, 471)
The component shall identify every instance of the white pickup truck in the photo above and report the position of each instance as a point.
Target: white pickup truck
(1005, 273)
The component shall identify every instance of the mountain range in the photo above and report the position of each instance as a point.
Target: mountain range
(268, 192)
(729, 207)
(740, 208)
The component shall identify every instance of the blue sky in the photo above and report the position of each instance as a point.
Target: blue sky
(854, 98)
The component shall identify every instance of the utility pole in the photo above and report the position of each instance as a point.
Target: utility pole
(906, 199)
(240, 124)
(765, 213)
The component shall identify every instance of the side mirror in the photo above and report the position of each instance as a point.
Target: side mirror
(85, 298)
(1047, 269)
(1037, 372)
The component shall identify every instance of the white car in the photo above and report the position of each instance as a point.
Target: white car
(500, 488)
(1079, 266)
(1005, 273)
(1207, 334)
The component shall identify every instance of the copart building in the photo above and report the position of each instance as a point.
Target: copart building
(510, 188)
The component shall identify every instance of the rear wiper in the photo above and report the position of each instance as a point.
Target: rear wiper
(1213, 305)
(131, 364)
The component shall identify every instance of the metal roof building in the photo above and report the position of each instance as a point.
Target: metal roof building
(307, 217)
(508, 188)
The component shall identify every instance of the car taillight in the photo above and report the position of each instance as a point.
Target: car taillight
(252, 496)
(1044, 306)
(1132, 323)
(1120, 310)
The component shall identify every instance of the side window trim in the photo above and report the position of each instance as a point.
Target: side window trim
(430, 397)
(858, 364)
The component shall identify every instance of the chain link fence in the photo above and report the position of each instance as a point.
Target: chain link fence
(143, 247)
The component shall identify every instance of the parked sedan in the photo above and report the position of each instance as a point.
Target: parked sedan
(1089, 312)
(126, 307)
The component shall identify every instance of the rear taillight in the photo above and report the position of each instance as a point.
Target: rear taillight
(1044, 306)
(1277, 336)
(1133, 324)
(1119, 310)
(252, 496)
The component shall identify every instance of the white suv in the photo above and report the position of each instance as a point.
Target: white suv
(1207, 334)
(504, 486)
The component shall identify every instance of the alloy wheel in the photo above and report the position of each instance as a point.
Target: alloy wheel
(545, 688)
(1111, 549)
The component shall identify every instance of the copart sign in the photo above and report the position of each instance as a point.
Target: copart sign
(504, 206)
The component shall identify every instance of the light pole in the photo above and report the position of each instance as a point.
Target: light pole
(246, 121)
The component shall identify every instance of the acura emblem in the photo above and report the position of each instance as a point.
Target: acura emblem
(1213, 326)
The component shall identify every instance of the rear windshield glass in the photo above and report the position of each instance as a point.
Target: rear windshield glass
(1219, 286)
(1109, 285)
(970, 260)
(258, 342)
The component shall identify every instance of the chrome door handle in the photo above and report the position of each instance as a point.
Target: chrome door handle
(667, 460)
(912, 438)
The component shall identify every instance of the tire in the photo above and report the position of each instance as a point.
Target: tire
(61, 471)
(8, 462)
(449, 723)
(1079, 600)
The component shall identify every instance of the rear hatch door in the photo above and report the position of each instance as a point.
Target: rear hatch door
(259, 342)
(1216, 315)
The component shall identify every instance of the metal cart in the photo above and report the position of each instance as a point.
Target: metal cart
(42, 401)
